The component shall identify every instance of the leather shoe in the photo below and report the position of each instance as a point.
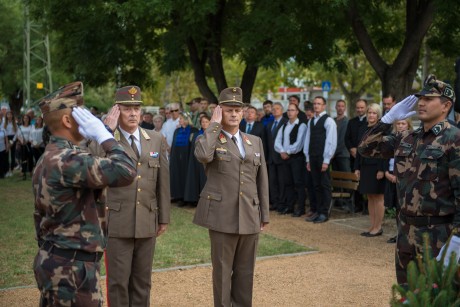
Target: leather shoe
(378, 233)
(272, 208)
(365, 234)
(298, 214)
(310, 213)
(320, 219)
(312, 217)
(392, 240)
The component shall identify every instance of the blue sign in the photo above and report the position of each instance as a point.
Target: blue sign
(326, 86)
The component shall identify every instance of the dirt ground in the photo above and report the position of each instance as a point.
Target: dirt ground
(347, 270)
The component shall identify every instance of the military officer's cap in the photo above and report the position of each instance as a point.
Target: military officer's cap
(232, 96)
(436, 88)
(128, 95)
(67, 96)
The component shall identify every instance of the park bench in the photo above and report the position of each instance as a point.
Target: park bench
(344, 186)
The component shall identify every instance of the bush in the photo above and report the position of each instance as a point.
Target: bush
(429, 282)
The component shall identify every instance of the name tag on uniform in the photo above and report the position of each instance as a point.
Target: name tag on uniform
(154, 154)
(257, 154)
(221, 151)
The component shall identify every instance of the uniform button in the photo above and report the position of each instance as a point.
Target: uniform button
(241, 182)
(242, 172)
(138, 190)
(139, 163)
(241, 193)
(138, 202)
(209, 197)
(139, 176)
(106, 208)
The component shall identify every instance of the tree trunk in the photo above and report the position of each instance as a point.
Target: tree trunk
(199, 72)
(397, 78)
(215, 50)
(247, 83)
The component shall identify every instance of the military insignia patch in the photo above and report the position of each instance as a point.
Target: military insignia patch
(437, 128)
(221, 150)
(154, 154)
(257, 154)
(246, 139)
(222, 138)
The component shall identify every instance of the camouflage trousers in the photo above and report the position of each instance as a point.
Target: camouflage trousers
(410, 244)
(67, 282)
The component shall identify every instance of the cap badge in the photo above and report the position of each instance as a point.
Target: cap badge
(132, 90)
(234, 90)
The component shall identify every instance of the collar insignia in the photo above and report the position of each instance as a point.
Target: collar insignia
(222, 138)
(246, 139)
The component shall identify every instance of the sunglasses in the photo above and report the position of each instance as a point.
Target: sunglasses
(174, 110)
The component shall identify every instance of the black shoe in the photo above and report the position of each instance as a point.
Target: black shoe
(378, 233)
(272, 208)
(321, 219)
(312, 218)
(364, 234)
(297, 214)
(392, 240)
(285, 211)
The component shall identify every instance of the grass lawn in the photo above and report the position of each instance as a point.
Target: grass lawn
(183, 244)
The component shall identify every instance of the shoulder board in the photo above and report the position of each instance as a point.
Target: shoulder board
(145, 134)
(116, 135)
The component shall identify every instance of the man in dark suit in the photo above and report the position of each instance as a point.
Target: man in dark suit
(352, 141)
(273, 158)
(234, 202)
(252, 126)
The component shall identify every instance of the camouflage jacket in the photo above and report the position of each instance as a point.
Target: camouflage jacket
(427, 166)
(66, 184)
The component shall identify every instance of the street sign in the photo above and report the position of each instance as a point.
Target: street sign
(326, 86)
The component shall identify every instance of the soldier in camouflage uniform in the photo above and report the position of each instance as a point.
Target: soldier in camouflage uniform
(66, 183)
(427, 166)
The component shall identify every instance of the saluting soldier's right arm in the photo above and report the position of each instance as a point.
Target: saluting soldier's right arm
(206, 145)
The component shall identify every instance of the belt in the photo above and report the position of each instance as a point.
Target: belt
(79, 255)
(426, 220)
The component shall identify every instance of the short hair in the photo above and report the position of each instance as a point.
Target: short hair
(185, 117)
(158, 116)
(213, 102)
(376, 108)
(278, 104)
(389, 96)
(295, 97)
(340, 100)
(196, 99)
(267, 102)
(249, 106)
(322, 98)
(162, 108)
(174, 105)
(361, 99)
(296, 106)
(205, 116)
(53, 119)
(148, 113)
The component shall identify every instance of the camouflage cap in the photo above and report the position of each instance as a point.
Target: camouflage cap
(436, 88)
(128, 95)
(232, 96)
(67, 96)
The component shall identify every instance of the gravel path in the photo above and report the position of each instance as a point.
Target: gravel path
(348, 270)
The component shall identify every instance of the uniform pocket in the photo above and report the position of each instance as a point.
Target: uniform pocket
(224, 163)
(402, 163)
(429, 164)
(154, 164)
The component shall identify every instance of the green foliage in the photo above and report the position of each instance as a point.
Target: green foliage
(429, 282)
(390, 213)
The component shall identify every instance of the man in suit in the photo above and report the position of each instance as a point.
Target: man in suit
(274, 160)
(140, 212)
(251, 126)
(352, 141)
(234, 203)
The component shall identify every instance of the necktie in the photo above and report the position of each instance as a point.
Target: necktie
(234, 140)
(249, 128)
(274, 126)
(133, 145)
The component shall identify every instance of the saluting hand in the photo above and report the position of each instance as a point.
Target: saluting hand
(112, 117)
(217, 115)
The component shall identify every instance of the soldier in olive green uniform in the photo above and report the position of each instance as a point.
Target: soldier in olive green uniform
(234, 202)
(67, 216)
(427, 166)
(139, 212)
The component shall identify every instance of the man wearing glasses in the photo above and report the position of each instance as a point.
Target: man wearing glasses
(172, 123)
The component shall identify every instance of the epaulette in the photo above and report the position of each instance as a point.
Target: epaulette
(144, 133)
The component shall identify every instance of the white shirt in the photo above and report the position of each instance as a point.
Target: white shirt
(137, 137)
(36, 136)
(239, 141)
(168, 129)
(285, 146)
(331, 138)
(23, 134)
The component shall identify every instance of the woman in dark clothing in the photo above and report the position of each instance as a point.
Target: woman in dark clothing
(178, 162)
(196, 177)
(23, 136)
(11, 128)
(371, 172)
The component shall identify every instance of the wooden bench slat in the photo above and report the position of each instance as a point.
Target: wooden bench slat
(344, 184)
(344, 175)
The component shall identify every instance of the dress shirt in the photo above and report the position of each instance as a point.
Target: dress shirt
(362, 117)
(331, 138)
(286, 146)
(239, 141)
(168, 129)
(137, 138)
